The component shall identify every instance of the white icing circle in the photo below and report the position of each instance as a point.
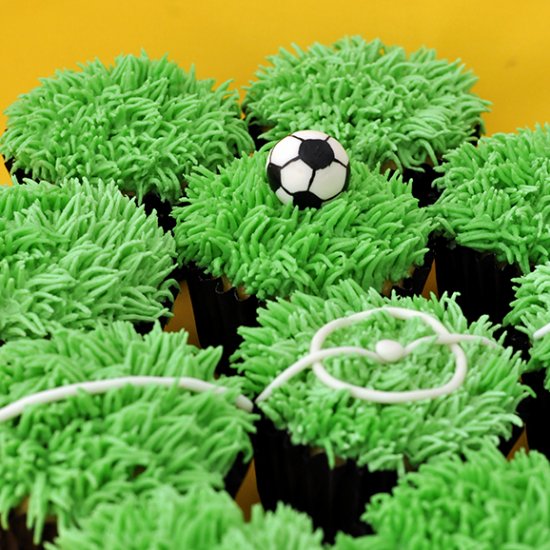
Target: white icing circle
(385, 351)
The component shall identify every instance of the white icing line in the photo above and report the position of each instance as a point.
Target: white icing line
(386, 351)
(101, 386)
(543, 331)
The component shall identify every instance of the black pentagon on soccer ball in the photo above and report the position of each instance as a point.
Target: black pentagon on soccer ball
(274, 176)
(306, 199)
(316, 153)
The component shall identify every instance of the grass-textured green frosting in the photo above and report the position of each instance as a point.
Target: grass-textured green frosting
(530, 312)
(382, 104)
(75, 253)
(495, 197)
(482, 503)
(203, 519)
(69, 456)
(233, 224)
(482, 409)
(143, 123)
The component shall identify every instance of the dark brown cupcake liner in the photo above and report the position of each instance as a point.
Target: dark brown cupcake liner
(414, 285)
(534, 410)
(300, 476)
(297, 475)
(537, 412)
(219, 313)
(19, 537)
(485, 285)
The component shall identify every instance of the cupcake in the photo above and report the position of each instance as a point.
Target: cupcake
(388, 108)
(77, 253)
(493, 218)
(249, 246)
(528, 322)
(425, 384)
(91, 417)
(140, 122)
(482, 502)
(202, 519)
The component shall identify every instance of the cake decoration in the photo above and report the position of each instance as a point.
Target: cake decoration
(495, 197)
(102, 386)
(385, 105)
(386, 351)
(143, 123)
(202, 519)
(530, 314)
(374, 434)
(232, 224)
(64, 458)
(308, 168)
(77, 253)
(481, 500)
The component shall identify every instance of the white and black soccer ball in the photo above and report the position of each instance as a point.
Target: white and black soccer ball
(307, 169)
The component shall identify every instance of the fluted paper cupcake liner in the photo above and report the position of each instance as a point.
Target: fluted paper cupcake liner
(19, 537)
(219, 313)
(301, 477)
(485, 285)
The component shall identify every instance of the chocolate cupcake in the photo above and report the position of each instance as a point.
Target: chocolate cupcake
(388, 108)
(91, 417)
(425, 384)
(78, 253)
(528, 322)
(200, 520)
(249, 246)
(493, 218)
(483, 501)
(143, 123)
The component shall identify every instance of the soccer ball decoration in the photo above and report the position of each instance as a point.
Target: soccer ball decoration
(307, 169)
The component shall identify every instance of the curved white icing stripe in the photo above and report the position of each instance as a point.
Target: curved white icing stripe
(386, 351)
(542, 331)
(101, 386)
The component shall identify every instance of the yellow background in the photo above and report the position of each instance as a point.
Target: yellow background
(506, 43)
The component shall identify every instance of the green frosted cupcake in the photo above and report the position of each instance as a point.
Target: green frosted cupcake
(484, 502)
(200, 520)
(143, 123)
(234, 227)
(385, 106)
(493, 217)
(326, 450)
(529, 321)
(77, 253)
(62, 455)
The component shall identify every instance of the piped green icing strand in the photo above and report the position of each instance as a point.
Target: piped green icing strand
(69, 456)
(380, 103)
(495, 197)
(233, 224)
(200, 520)
(143, 123)
(482, 409)
(484, 503)
(530, 312)
(284, 528)
(76, 253)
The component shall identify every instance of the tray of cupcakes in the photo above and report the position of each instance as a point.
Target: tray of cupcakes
(305, 222)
